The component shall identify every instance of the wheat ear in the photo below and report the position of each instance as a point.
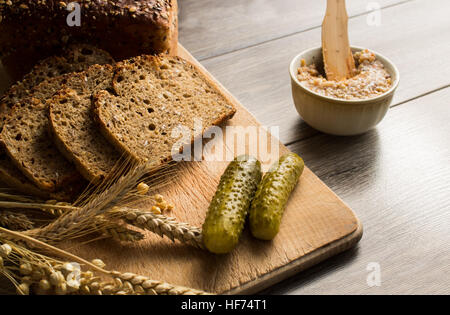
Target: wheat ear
(163, 226)
(130, 283)
(116, 231)
(15, 221)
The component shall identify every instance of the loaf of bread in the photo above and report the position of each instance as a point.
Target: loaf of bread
(152, 97)
(34, 29)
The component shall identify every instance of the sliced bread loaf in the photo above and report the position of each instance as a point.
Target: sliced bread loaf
(27, 143)
(73, 59)
(26, 139)
(55, 173)
(154, 95)
(75, 132)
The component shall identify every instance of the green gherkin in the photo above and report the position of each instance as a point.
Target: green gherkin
(272, 195)
(229, 207)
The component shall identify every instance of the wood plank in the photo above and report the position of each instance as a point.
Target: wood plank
(316, 225)
(258, 76)
(212, 27)
(396, 178)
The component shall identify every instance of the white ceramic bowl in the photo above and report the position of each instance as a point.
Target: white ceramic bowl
(338, 116)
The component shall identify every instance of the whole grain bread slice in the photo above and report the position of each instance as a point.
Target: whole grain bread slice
(27, 141)
(74, 131)
(155, 95)
(11, 176)
(75, 58)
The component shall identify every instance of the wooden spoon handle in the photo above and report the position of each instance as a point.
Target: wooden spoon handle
(337, 55)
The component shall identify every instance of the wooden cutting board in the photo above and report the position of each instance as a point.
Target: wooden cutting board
(316, 225)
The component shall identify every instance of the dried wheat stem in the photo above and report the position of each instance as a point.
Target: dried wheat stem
(163, 226)
(15, 197)
(39, 206)
(157, 223)
(21, 222)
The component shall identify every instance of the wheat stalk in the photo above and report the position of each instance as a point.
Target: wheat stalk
(42, 274)
(77, 222)
(109, 228)
(38, 206)
(113, 230)
(154, 222)
(29, 270)
(74, 223)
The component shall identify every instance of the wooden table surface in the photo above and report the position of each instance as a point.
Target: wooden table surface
(395, 177)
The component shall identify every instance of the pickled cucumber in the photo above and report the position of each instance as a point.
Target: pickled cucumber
(272, 195)
(229, 207)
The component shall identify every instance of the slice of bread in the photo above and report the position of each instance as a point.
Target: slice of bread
(75, 132)
(154, 95)
(13, 178)
(74, 59)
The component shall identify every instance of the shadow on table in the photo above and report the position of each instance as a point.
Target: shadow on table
(6, 287)
(321, 270)
(345, 164)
